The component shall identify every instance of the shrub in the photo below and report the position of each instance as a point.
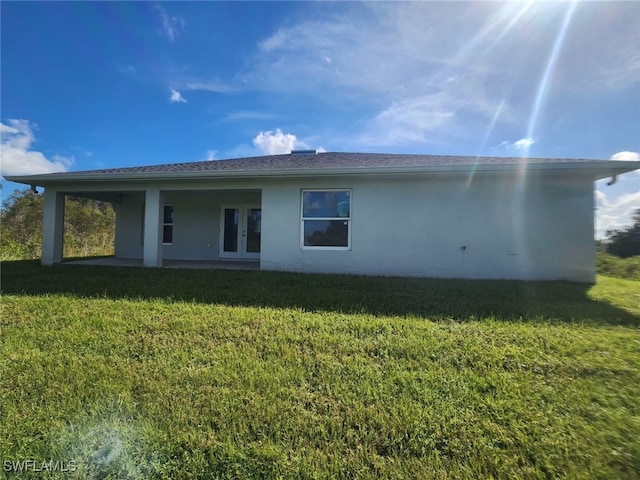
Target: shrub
(612, 266)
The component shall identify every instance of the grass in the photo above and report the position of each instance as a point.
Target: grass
(612, 266)
(135, 373)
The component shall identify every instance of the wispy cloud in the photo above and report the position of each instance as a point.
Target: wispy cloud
(249, 115)
(425, 72)
(128, 70)
(176, 97)
(211, 155)
(391, 66)
(17, 157)
(82, 151)
(172, 25)
(602, 52)
(276, 40)
(208, 86)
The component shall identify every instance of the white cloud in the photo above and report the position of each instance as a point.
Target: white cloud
(519, 147)
(16, 156)
(523, 144)
(626, 156)
(176, 97)
(614, 214)
(211, 155)
(274, 143)
(172, 26)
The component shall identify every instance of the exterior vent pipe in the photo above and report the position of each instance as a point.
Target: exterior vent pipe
(304, 152)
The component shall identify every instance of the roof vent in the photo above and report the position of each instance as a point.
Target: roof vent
(304, 152)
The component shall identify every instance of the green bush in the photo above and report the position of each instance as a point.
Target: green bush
(12, 250)
(89, 227)
(612, 266)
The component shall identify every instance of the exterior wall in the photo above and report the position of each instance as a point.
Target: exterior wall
(444, 226)
(495, 227)
(196, 222)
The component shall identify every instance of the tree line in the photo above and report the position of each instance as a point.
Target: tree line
(89, 226)
(625, 243)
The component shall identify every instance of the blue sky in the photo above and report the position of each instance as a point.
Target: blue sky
(89, 85)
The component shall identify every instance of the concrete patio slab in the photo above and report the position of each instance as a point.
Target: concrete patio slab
(193, 264)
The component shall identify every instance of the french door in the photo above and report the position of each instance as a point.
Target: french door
(240, 227)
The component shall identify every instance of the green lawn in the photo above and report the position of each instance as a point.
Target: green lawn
(136, 373)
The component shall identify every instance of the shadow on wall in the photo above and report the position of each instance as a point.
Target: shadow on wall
(435, 299)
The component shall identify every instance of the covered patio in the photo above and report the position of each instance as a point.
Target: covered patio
(177, 226)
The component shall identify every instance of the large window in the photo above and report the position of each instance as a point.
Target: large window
(326, 219)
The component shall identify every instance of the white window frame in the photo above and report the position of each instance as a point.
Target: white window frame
(302, 219)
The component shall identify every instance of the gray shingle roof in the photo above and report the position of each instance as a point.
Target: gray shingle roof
(329, 163)
(326, 160)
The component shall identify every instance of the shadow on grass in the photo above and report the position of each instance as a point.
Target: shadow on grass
(430, 298)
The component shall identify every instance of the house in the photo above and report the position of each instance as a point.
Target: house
(364, 213)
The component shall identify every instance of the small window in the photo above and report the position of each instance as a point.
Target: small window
(326, 219)
(142, 225)
(167, 234)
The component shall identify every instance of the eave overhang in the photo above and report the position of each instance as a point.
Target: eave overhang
(596, 170)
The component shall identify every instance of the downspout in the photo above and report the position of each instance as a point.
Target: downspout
(613, 180)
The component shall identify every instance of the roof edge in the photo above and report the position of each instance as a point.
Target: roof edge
(599, 169)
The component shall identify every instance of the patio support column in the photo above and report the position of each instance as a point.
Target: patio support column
(52, 227)
(153, 227)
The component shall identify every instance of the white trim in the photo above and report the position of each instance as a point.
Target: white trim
(346, 219)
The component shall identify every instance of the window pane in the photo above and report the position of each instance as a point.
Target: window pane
(142, 226)
(254, 218)
(230, 243)
(326, 204)
(167, 234)
(326, 233)
(168, 214)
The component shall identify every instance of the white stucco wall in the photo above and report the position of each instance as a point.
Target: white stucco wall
(539, 229)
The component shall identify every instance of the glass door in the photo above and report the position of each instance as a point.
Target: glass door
(253, 226)
(240, 229)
